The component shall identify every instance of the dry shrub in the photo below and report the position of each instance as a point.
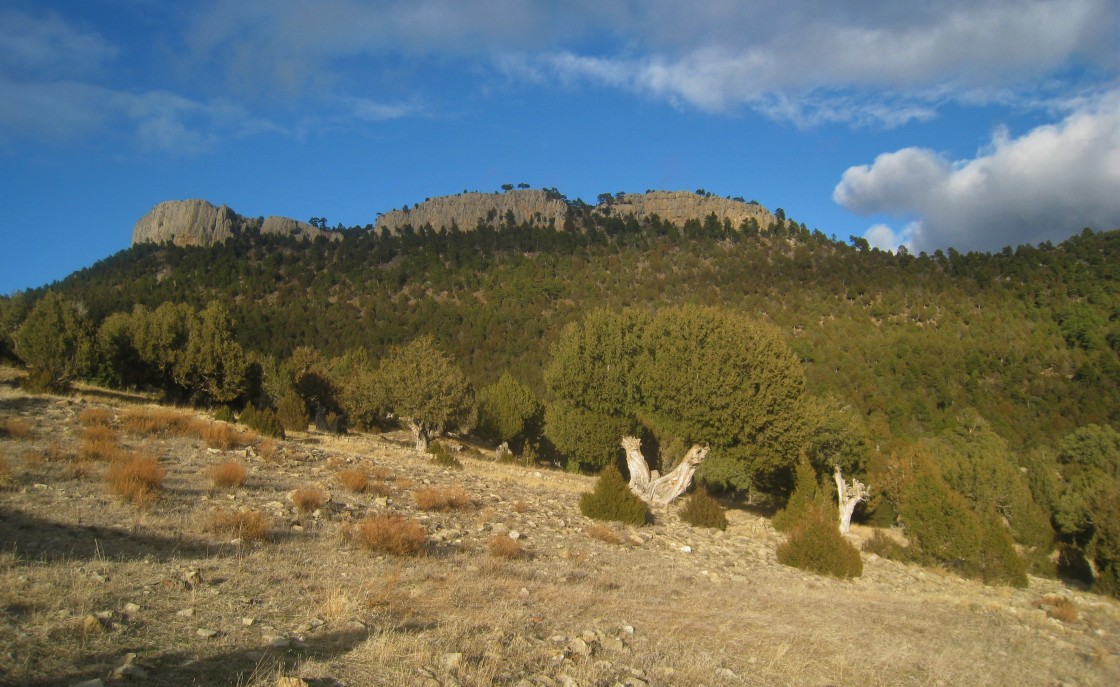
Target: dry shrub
(137, 479)
(815, 544)
(228, 474)
(308, 499)
(269, 450)
(95, 416)
(452, 498)
(354, 479)
(246, 525)
(389, 534)
(222, 435)
(1058, 607)
(501, 546)
(380, 472)
(604, 534)
(520, 506)
(149, 421)
(81, 468)
(337, 605)
(16, 428)
(701, 510)
(100, 443)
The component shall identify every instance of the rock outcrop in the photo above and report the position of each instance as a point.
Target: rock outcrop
(677, 207)
(198, 223)
(465, 210)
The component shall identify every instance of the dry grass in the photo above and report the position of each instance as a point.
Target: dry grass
(269, 450)
(16, 428)
(81, 468)
(450, 498)
(224, 436)
(354, 479)
(307, 499)
(228, 474)
(603, 534)
(246, 525)
(137, 479)
(5, 472)
(520, 507)
(1058, 607)
(95, 416)
(148, 421)
(101, 443)
(501, 546)
(388, 534)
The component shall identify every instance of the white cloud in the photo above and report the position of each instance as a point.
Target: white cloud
(46, 46)
(1043, 185)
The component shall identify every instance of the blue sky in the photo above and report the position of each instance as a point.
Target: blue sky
(966, 123)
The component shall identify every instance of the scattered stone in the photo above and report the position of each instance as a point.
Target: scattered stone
(131, 608)
(248, 622)
(579, 647)
(727, 674)
(514, 534)
(451, 662)
(568, 681)
(206, 633)
(686, 549)
(192, 578)
(290, 681)
(278, 642)
(186, 613)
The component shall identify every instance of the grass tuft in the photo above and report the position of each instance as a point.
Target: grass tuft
(1058, 607)
(389, 534)
(603, 534)
(5, 472)
(451, 498)
(246, 525)
(100, 443)
(501, 546)
(137, 479)
(224, 436)
(307, 499)
(15, 428)
(354, 479)
(95, 416)
(228, 474)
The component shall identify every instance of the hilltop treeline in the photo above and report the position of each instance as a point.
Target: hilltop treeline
(954, 371)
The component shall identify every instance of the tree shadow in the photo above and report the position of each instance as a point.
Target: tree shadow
(239, 666)
(32, 537)
(26, 404)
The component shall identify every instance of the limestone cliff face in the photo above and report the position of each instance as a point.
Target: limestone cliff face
(466, 209)
(199, 223)
(678, 207)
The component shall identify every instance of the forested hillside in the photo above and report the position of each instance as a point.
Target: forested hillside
(985, 385)
(1028, 337)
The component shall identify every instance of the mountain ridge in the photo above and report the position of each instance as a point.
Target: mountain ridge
(198, 222)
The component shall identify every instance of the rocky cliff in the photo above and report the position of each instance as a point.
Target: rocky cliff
(466, 209)
(678, 207)
(198, 223)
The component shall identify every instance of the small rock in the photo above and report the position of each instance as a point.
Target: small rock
(130, 670)
(579, 647)
(289, 681)
(499, 528)
(131, 608)
(727, 674)
(91, 623)
(279, 642)
(514, 534)
(686, 549)
(451, 662)
(192, 578)
(248, 622)
(568, 681)
(206, 633)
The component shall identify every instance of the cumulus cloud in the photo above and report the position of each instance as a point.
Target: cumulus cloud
(1042, 186)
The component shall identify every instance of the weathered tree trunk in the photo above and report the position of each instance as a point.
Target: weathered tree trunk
(653, 488)
(848, 495)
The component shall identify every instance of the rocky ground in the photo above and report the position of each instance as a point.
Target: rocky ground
(96, 590)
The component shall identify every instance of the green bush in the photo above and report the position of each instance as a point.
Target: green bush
(292, 412)
(701, 510)
(807, 493)
(223, 414)
(264, 421)
(442, 457)
(612, 500)
(815, 544)
(883, 546)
